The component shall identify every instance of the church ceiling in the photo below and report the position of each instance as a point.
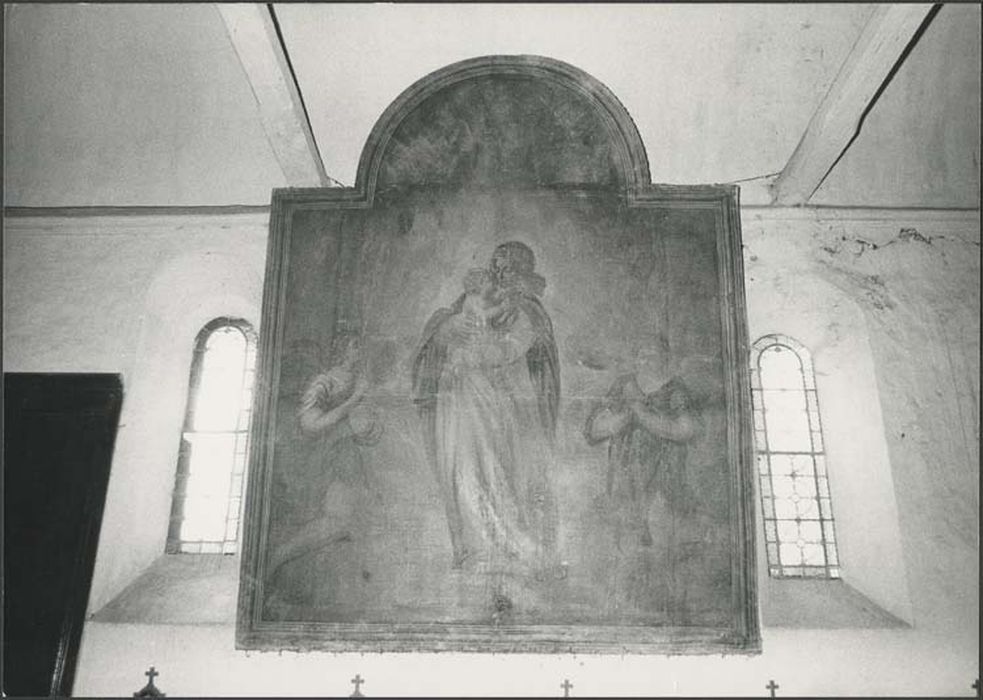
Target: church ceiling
(127, 105)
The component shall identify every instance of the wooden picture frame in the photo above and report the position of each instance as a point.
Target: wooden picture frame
(557, 459)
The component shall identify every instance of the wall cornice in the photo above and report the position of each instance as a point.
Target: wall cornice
(127, 220)
(120, 220)
(772, 213)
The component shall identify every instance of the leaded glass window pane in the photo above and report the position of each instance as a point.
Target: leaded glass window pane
(210, 476)
(780, 368)
(805, 508)
(794, 487)
(786, 421)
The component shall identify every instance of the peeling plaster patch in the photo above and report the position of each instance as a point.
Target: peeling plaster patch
(835, 334)
(864, 245)
(838, 242)
(911, 234)
(871, 288)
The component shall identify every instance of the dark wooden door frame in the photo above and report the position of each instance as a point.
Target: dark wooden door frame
(88, 397)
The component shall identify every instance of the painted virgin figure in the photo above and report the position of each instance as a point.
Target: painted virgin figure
(486, 382)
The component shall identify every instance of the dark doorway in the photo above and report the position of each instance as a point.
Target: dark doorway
(58, 434)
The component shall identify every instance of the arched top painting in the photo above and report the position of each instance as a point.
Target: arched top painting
(502, 398)
(505, 121)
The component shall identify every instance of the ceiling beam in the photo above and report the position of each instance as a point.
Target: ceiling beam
(879, 49)
(256, 41)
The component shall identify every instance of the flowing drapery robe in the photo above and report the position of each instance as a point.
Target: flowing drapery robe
(488, 405)
(641, 568)
(640, 463)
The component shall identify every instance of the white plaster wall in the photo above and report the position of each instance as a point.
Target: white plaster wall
(128, 104)
(129, 293)
(196, 661)
(916, 279)
(785, 296)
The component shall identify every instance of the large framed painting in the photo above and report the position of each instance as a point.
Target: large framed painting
(502, 397)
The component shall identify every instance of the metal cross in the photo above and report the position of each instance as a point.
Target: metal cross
(150, 690)
(772, 687)
(357, 681)
(566, 685)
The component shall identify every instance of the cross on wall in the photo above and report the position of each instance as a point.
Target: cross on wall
(357, 681)
(150, 690)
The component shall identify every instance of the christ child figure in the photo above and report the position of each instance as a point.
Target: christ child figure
(478, 331)
(484, 302)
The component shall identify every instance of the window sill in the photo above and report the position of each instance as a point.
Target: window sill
(821, 604)
(179, 589)
(202, 589)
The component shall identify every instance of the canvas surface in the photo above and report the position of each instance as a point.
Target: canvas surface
(501, 391)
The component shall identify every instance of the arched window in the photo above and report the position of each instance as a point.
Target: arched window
(212, 459)
(795, 500)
